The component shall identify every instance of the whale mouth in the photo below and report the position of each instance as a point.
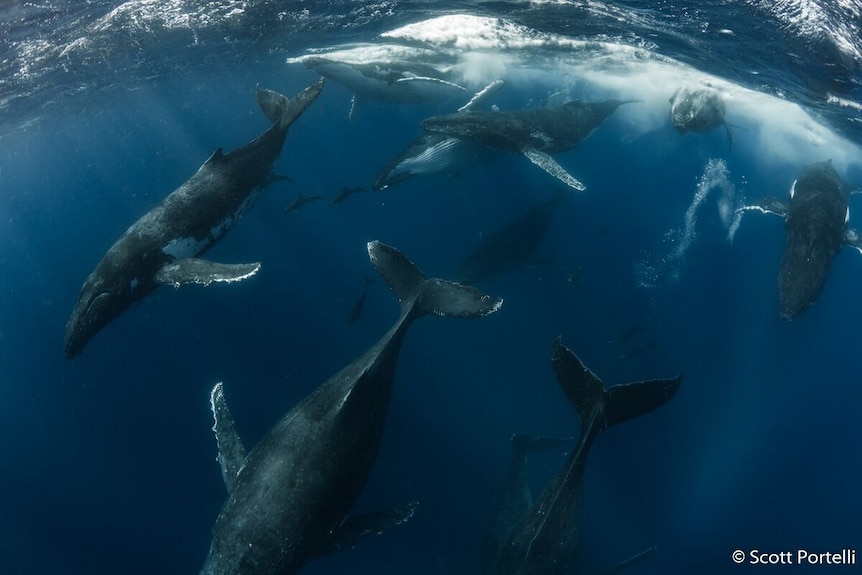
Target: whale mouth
(84, 323)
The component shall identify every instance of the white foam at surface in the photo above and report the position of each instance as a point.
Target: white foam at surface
(843, 102)
(469, 32)
(812, 20)
(493, 48)
(777, 132)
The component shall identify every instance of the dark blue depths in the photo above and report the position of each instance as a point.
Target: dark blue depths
(109, 461)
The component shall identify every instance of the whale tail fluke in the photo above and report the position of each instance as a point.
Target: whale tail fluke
(279, 108)
(428, 296)
(614, 405)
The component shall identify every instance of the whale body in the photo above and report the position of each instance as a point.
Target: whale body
(545, 539)
(163, 246)
(289, 496)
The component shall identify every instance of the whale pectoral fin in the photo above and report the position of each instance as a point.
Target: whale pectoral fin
(429, 81)
(768, 205)
(356, 528)
(550, 165)
(231, 451)
(356, 105)
(194, 270)
(853, 238)
(216, 157)
(478, 100)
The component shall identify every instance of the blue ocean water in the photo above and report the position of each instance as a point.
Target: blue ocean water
(105, 108)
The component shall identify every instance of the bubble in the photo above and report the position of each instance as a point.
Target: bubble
(668, 268)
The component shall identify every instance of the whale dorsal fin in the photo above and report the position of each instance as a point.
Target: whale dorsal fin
(231, 451)
(217, 156)
(194, 270)
(550, 165)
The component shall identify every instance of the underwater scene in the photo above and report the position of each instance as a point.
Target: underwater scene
(541, 287)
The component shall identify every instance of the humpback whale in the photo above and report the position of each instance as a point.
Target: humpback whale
(534, 133)
(544, 540)
(359, 304)
(816, 218)
(698, 109)
(511, 245)
(344, 194)
(301, 201)
(386, 72)
(161, 248)
(434, 153)
(514, 500)
(289, 496)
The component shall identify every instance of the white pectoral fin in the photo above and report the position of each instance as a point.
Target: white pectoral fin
(231, 451)
(419, 80)
(194, 270)
(853, 238)
(356, 104)
(482, 96)
(550, 165)
(767, 206)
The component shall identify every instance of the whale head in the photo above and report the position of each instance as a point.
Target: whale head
(103, 297)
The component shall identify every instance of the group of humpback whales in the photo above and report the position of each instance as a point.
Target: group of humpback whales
(290, 496)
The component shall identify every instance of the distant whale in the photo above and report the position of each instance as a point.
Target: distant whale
(545, 539)
(344, 194)
(161, 247)
(514, 500)
(301, 201)
(290, 495)
(359, 304)
(698, 109)
(816, 219)
(511, 245)
(534, 133)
